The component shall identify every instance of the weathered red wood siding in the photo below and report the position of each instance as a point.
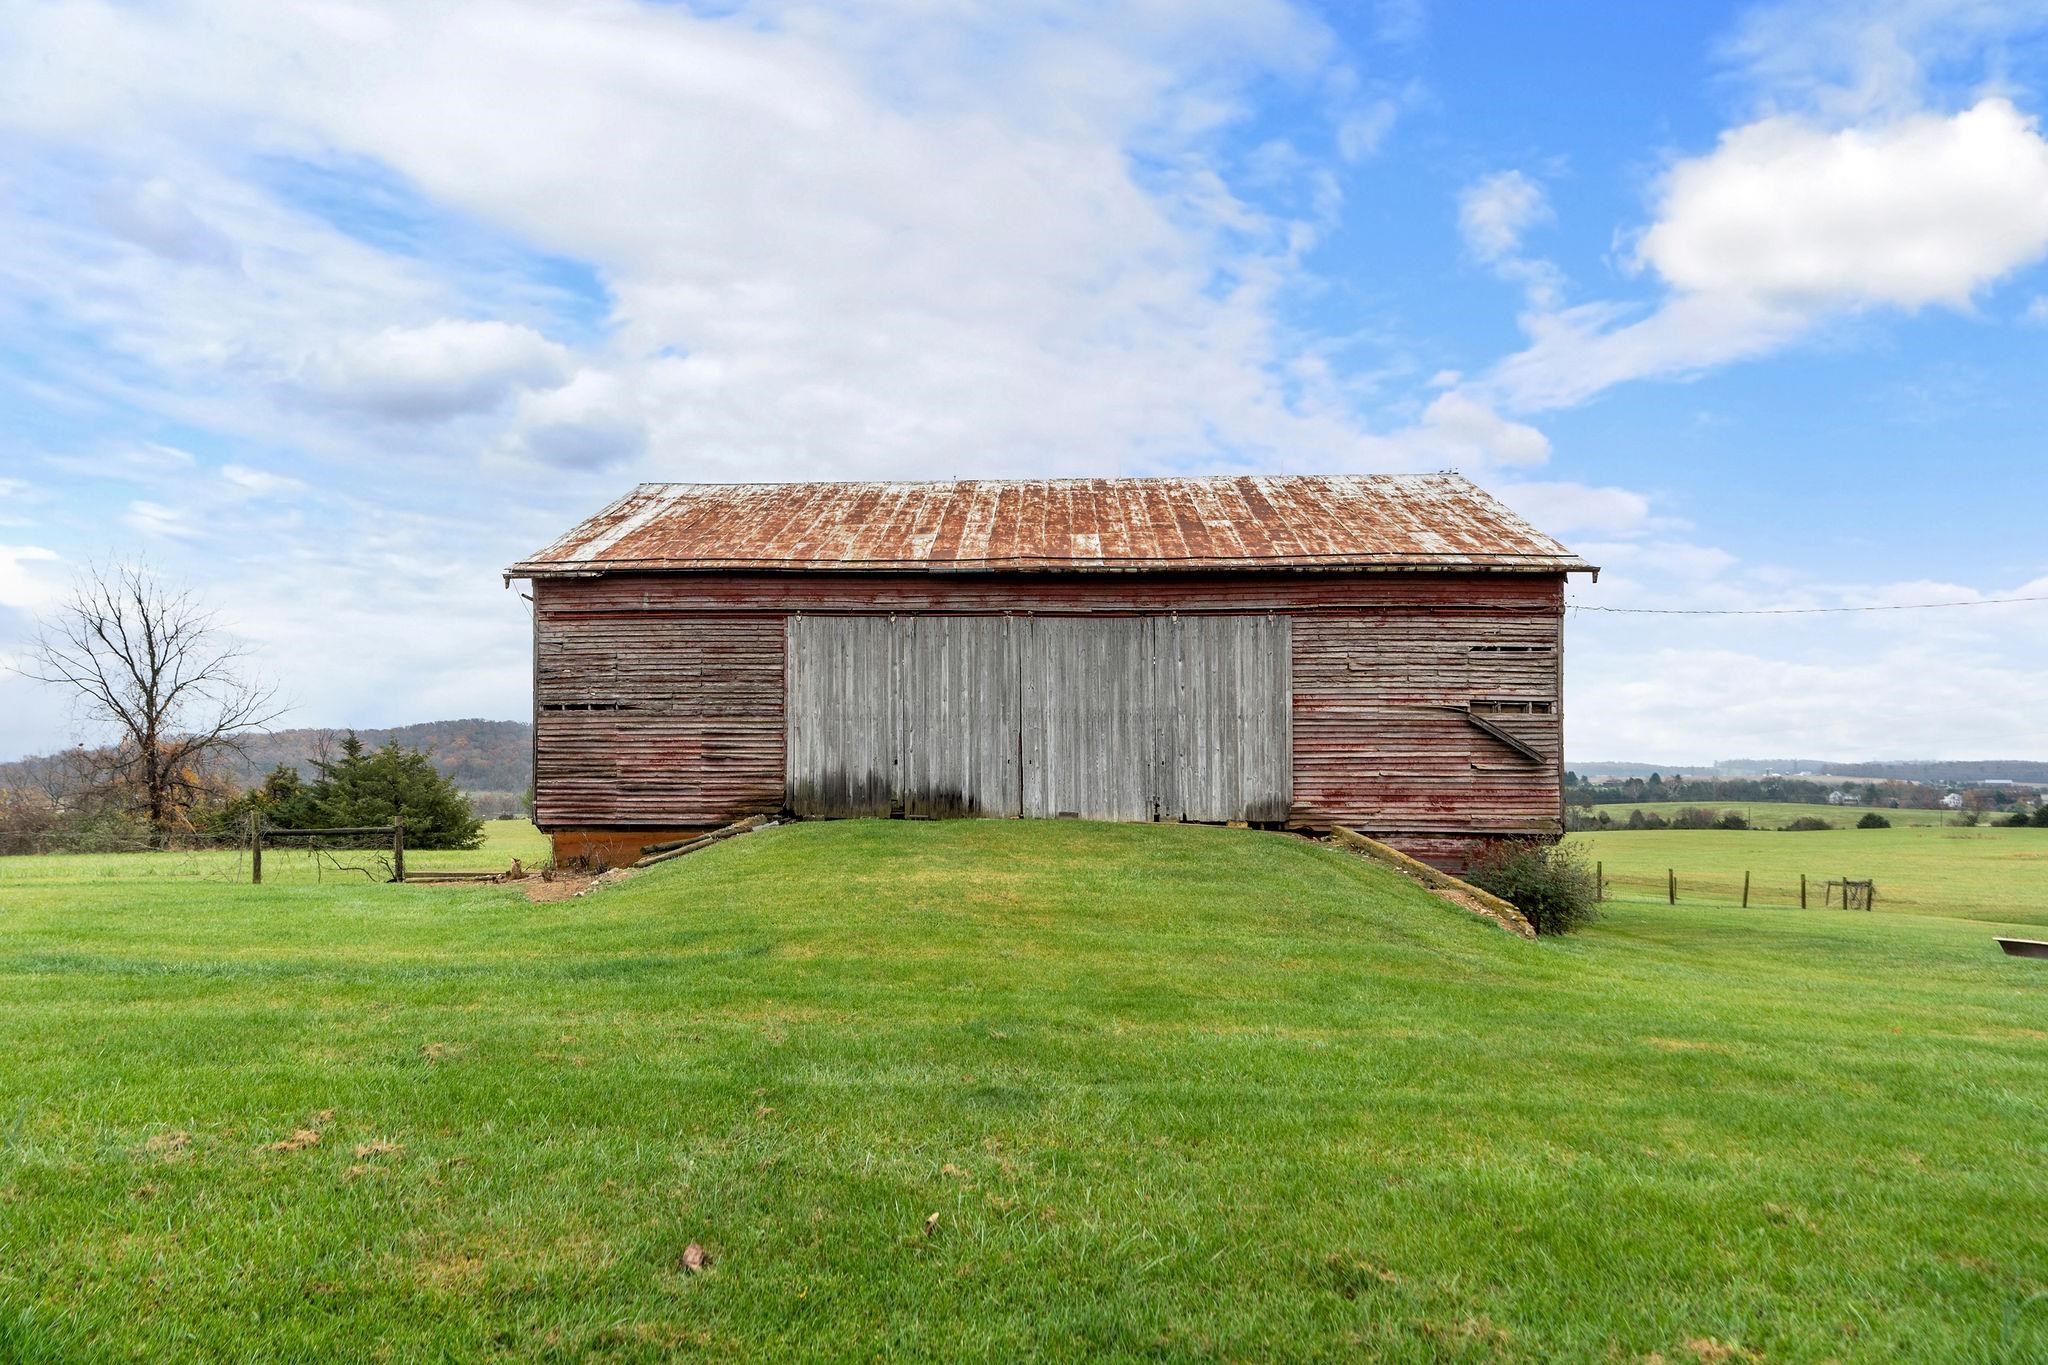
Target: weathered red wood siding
(659, 698)
(653, 719)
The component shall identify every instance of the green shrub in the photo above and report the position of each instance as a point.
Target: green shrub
(1806, 822)
(1695, 817)
(2017, 820)
(1872, 820)
(1551, 884)
(2041, 816)
(1732, 819)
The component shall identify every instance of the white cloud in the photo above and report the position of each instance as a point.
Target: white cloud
(1788, 224)
(1852, 60)
(1494, 212)
(430, 373)
(157, 519)
(801, 241)
(1683, 566)
(17, 496)
(1361, 132)
(593, 422)
(1771, 694)
(1400, 22)
(1927, 209)
(1954, 683)
(1459, 429)
(1851, 187)
(154, 215)
(1566, 509)
(826, 243)
(22, 585)
(259, 483)
(136, 461)
(2037, 310)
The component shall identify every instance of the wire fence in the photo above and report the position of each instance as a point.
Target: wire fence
(1779, 889)
(288, 856)
(34, 855)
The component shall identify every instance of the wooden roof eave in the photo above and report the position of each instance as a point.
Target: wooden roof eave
(1499, 565)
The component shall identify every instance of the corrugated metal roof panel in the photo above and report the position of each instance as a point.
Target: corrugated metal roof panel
(1075, 525)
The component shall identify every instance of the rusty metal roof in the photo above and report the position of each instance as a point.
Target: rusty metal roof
(1434, 521)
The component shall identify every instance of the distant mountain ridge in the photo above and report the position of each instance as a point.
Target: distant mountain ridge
(476, 755)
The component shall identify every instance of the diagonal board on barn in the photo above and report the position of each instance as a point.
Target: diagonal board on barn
(1118, 718)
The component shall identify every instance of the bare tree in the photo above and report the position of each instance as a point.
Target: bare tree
(149, 660)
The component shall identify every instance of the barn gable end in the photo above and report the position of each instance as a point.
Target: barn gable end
(1417, 699)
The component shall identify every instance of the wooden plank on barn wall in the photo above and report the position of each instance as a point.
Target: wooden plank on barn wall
(655, 721)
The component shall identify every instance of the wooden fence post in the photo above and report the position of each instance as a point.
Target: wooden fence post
(1599, 881)
(1671, 884)
(398, 848)
(1745, 889)
(1870, 896)
(1802, 891)
(255, 848)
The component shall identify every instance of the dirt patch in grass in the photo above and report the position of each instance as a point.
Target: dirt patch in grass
(1689, 1045)
(171, 1146)
(559, 887)
(457, 1273)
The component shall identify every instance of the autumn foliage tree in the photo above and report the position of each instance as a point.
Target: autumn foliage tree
(148, 660)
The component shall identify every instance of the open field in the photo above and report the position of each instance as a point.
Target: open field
(1170, 1092)
(504, 840)
(1777, 814)
(1998, 875)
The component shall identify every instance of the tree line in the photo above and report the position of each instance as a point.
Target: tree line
(1631, 791)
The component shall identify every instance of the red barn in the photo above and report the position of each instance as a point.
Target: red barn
(1381, 652)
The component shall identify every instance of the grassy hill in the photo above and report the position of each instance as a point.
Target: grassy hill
(1169, 1091)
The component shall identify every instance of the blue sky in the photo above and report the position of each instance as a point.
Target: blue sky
(333, 310)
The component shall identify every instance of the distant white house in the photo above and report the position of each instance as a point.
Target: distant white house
(1840, 799)
(1953, 801)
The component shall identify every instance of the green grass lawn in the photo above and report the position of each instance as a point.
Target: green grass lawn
(1996, 875)
(1172, 1092)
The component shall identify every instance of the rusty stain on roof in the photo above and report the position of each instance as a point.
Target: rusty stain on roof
(1435, 521)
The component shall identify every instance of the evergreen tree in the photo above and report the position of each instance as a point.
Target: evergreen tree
(374, 787)
(282, 798)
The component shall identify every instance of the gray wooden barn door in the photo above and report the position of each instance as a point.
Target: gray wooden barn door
(916, 714)
(1108, 718)
(1158, 717)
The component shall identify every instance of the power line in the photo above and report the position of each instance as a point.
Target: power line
(1800, 611)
